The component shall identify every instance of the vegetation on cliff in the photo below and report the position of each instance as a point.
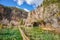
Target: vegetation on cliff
(48, 2)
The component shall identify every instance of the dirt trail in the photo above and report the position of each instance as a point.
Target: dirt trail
(47, 28)
(23, 34)
(57, 30)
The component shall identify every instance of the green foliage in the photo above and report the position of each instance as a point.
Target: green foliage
(47, 2)
(39, 34)
(10, 34)
(21, 22)
(41, 21)
(1, 26)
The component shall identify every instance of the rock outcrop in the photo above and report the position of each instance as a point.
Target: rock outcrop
(51, 15)
(7, 14)
(47, 14)
(34, 16)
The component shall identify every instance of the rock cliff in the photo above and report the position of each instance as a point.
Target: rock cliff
(48, 14)
(7, 14)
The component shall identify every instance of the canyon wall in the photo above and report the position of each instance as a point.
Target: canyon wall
(48, 14)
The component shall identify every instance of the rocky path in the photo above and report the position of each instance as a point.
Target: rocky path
(56, 30)
(23, 34)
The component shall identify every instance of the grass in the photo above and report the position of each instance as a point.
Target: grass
(10, 34)
(39, 34)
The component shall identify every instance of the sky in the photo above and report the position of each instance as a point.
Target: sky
(27, 5)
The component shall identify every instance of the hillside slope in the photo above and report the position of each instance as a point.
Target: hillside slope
(7, 14)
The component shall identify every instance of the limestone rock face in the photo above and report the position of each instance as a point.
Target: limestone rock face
(51, 10)
(51, 13)
(48, 15)
(34, 16)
